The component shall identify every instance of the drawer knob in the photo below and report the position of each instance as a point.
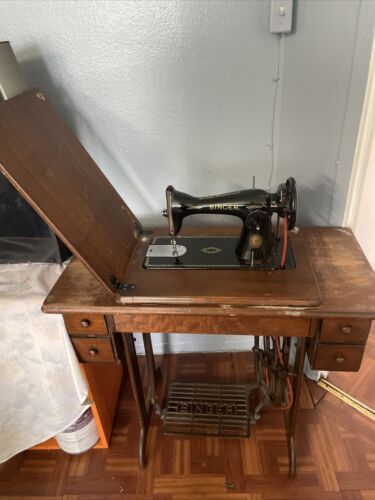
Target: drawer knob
(347, 329)
(340, 358)
(93, 351)
(85, 323)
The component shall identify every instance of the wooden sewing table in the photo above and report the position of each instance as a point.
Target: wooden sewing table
(334, 333)
(327, 302)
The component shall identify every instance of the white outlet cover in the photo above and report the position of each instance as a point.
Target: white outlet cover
(281, 15)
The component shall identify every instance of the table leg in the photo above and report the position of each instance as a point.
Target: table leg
(256, 358)
(143, 409)
(150, 365)
(291, 415)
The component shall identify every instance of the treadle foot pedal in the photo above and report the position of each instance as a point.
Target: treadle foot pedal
(207, 409)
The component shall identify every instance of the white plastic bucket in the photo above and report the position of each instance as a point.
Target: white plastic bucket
(80, 436)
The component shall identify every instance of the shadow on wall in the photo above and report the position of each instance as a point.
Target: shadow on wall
(36, 74)
(316, 202)
(118, 171)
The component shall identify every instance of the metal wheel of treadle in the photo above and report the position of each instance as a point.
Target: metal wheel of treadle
(271, 381)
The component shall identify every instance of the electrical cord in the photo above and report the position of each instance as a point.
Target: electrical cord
(276, 79)
(285, 242)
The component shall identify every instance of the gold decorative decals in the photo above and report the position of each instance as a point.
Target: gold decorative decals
(224, 206)
(211, 250)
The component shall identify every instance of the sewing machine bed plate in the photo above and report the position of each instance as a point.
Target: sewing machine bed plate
(220, 287)
(212, 252)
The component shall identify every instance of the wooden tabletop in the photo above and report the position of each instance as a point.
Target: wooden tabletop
(345, 279)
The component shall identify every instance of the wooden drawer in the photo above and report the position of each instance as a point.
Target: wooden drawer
(93, 350)
(86, 324)
(336, 357)
(345, 330)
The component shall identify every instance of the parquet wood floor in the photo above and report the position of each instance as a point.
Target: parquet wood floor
(336, 458)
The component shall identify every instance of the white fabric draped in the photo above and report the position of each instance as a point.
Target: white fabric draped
(42, 389)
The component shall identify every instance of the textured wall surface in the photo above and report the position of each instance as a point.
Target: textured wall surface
(202, 96)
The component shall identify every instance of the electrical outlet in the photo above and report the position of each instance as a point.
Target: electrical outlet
(281, 14)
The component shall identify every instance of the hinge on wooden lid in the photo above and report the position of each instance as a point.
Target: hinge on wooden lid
(121, 287)
(138, 229)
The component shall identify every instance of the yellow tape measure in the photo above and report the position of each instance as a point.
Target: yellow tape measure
(346, 398)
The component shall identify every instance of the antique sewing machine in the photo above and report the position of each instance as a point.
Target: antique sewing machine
(259, 245)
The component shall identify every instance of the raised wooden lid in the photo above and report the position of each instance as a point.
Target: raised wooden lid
(48, 165)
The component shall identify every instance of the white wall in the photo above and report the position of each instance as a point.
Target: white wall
(183, 93)
(365, 225)
(359, 212)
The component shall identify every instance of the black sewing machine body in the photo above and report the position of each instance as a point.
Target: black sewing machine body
(258, 245)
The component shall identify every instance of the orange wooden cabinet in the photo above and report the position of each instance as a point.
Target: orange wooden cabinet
(104, 386)
(99, 351)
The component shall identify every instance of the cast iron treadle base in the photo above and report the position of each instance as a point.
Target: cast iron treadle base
(207, 409)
